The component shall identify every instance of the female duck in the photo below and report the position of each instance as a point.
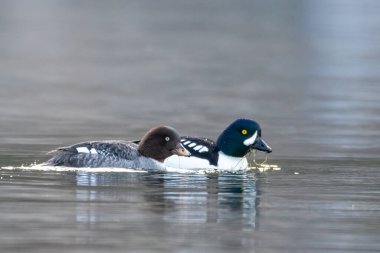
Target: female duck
(155, 146)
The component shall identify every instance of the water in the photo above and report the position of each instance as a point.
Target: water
(306, 70)
(327, 207)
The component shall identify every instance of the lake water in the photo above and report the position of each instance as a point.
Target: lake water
(307, 71)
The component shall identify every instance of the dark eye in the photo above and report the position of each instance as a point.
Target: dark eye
(167, 138)
(244, 132)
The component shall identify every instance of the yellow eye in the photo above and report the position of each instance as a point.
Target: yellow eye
(244, 132)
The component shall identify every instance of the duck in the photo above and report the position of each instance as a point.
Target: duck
(227, 153)
(156, 145)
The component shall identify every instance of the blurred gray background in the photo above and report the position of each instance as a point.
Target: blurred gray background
(307, 71)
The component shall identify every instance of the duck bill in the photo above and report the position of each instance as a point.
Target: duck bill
(180, 150)
(261, 145)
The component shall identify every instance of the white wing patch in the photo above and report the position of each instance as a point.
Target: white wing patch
(93, 151)
(86, 151)
(83, 150)
(196, 148)
(203, 149)
(192, 145)
(200, 149)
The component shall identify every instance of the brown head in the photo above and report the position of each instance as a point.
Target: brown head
(161, 142)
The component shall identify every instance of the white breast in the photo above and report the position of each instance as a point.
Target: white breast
(231, 163)
(225, 162)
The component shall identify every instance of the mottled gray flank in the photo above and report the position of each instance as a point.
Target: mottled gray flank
(116, 154)
(155, 146)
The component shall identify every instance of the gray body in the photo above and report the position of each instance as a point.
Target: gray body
(120, 154)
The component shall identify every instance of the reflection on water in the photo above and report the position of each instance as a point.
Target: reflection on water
(226, 198)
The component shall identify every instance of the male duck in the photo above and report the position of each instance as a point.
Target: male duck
(156, 145)
(227, 153)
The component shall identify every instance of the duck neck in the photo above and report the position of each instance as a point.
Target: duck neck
(231, 147)
(154, 153)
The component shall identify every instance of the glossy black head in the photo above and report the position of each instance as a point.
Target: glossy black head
(161, 142)
(241, 136)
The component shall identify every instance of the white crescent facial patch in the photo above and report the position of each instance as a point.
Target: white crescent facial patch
(251, 139)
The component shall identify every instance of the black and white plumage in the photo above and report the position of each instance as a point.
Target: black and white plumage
(203, 148)
(156, 145)
(227, 153)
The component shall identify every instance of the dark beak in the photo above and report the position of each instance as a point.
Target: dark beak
(261, 145)
(180, 150)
